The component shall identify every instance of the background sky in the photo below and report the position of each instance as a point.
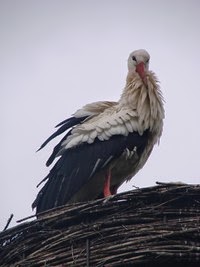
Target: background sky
(56, 56)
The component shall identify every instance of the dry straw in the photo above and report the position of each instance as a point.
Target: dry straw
(154, 226)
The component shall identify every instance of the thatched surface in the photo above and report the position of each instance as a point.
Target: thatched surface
(157, 226)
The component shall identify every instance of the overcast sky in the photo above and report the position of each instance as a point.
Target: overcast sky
(56, 56)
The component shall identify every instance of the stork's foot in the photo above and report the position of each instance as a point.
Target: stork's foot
(108, 198)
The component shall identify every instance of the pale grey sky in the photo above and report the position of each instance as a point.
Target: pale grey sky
(56, 56)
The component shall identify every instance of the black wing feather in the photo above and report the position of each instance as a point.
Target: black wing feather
(72, 171)
(64, 125)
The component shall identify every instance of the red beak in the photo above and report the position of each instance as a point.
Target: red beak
(141, 71)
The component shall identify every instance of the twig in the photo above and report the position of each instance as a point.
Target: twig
(87, 252)
(8, 222)
(26, 218)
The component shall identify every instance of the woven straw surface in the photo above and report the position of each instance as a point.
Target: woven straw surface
(154, 226)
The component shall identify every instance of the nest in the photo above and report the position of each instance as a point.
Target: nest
(154, 226)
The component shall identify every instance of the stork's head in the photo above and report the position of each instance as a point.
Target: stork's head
(138, 61)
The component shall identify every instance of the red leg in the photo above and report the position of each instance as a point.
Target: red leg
(106, 189)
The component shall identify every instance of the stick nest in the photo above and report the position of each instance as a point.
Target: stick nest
(154, 226)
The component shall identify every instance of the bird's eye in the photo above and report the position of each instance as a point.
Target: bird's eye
(147, 61)
(133, 58)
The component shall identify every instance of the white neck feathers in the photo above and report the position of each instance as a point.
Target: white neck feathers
(145, 99)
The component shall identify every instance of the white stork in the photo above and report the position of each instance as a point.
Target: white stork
(106, 143)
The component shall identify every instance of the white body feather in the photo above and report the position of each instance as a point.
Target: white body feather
(139, 108)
